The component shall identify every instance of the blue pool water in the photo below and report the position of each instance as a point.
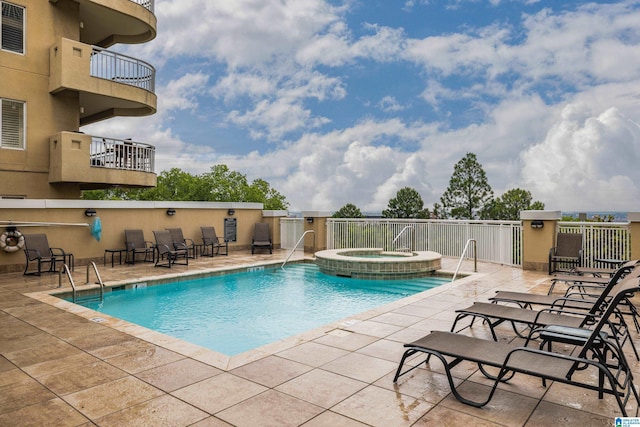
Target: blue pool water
(237, 312)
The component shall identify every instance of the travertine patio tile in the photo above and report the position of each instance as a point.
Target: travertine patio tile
(47, 351)
(441, 416)
(397, 318)
(419, 383)
(375, 329)
(22, 393)
(220, 392)
(270, 409)
(77, 378)
(346, 340)
(331, 419)
(179, 374)
(384, 349)
(510, 409)
(584, 400)
(322, 388)
(211, 422)
(113, 396)
(376, 406)
(550, 414)
(75, 360)
(50, 413)
(144, 359)
(361, 367)
(162, 411)
(313, 354)
(271, 371)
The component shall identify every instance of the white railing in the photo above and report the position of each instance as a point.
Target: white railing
(601, 240)
(291, 229)
(147, 4)
(120, 68)
(498, 241)
(122, 154)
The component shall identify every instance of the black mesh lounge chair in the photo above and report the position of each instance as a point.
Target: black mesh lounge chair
(567, 253)
(167, 255)
(37, 250)
(137, 246)
(179, 242)
(261, 237)
(494, 314)
(211, 244)
(595, 353)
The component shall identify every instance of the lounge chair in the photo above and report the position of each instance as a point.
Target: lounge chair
(167, 254)
(37, 249)
(261, 238)
(594, 353)
(179, 242)
(494, 314)
(567, 253)
(211, 244)
(136, 245)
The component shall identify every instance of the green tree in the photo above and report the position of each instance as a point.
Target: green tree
(407, 204)
(509, 205)
(468, 191)
(348, 211)
(220, 184)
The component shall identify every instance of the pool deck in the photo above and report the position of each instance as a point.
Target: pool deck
(66, 366)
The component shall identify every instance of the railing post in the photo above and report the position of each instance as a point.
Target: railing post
(538, 236)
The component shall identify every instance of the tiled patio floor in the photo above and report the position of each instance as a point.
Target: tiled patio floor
(60, 368)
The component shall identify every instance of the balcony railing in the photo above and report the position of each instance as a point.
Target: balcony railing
(122, 154)
(147, 4)
(121, 68)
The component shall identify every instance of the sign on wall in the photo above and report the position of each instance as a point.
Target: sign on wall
(230, 229)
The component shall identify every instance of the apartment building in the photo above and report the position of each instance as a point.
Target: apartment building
(60, 70)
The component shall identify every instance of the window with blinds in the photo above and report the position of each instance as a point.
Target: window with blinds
(12, 118)
(12, 35)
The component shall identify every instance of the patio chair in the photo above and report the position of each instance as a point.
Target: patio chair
(567, 253)
(179, 242)
(37, 250)
(211, 244)
(494, 314)
(136, 245)
(595, 353)
(167, 254)
(261, 237)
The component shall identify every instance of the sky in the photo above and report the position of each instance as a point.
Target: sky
(347, 101)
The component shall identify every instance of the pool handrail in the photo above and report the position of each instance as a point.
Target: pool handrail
(475, 258)
(297, 243)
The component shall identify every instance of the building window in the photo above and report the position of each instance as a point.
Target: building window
(12, 118)
(12, 35)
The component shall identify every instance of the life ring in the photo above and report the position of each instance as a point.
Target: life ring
(11, 241)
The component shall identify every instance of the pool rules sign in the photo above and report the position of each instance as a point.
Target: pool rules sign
(230, 229)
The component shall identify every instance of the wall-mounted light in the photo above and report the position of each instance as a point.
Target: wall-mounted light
(231, 212)
(537, 223)
(310, 220)
(90, 212)
(171, 212)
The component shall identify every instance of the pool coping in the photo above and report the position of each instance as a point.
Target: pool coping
(220, 360)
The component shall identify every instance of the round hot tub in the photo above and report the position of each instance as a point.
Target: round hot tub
(375, 263)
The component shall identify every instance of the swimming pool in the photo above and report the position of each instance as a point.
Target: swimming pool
(234, 313)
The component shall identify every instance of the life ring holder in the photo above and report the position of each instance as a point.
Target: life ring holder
(11, 240)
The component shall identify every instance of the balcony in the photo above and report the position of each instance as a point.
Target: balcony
(97, 162)
(107, 22)
(108, 84)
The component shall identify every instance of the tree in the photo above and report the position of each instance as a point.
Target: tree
(220, 184)
(348, 211)
(468, 191)
(509, 205)
(407, 204)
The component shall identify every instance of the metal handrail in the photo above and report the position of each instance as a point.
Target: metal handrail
(475, 257)
(124, 154)
(296, 245)
(95, 269)
(65, 269)
(400, 234)
(117, 67)
(147, 4)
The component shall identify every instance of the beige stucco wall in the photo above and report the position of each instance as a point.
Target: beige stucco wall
(538, 241)
(115, 217)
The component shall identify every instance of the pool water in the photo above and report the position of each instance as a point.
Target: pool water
(237, 312)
